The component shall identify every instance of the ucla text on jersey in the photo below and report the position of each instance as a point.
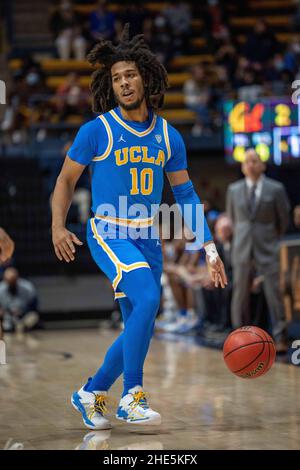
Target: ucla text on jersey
(128, 158)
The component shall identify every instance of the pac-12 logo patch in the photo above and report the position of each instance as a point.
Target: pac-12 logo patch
(158, 138)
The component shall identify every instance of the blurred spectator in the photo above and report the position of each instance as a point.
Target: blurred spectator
(32, 73)
(213, 305)
(223, 235)
(102, 22)
(148, 28)
(261, 44)
(259, 209)
(65, 25)
(282, 86)
(82, 194)
(197, 96)
(162, 40)
(227, 55)
(296, 17)
(14, 122)
(210, 212)
(135, 14)
(178, 18)
(18, 302)
(72, 98)
(292, 55)
(250, 89)
(178, 263)
(214, 20)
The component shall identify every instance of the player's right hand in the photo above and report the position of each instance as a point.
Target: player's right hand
(63, 241)
(7, 246)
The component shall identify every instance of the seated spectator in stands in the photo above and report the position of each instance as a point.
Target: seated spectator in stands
(292, 55)
(65, 25)
(81, 203)
(250, 88)
(148, 31)
(296, 16)
(135, 14)
(18, 302)
(227, 55)
(178, 16)
(272, 70)
(223, 234)
(242, 66)
(210, 212)
(32, 72)
(215, 20)
(27, 85)
(177, 268)
(197, 95)
(72, 98)
(82, 193)
(214, 304)
(261, 44)
(14, 122)
(102, 22)
(162, 40)
(282, 86)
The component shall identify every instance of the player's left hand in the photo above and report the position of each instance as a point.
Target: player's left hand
(217, 272)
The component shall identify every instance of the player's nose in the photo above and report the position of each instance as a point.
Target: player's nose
(124, 82)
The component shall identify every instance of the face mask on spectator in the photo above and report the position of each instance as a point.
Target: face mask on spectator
(296, 47)
(279, 64)
(32, 78)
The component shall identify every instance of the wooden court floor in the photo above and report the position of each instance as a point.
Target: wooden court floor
(203, 405)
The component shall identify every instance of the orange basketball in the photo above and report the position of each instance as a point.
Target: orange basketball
(249, 352)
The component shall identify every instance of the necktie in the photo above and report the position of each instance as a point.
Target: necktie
(252, 200)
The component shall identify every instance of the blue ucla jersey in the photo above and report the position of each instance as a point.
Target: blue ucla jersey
(128, 158)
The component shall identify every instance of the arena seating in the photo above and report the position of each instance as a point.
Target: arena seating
(241, 21)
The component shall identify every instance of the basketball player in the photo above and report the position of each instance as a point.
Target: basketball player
(128, 146)
(7, 246)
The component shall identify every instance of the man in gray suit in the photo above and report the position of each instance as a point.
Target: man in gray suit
(259, 209)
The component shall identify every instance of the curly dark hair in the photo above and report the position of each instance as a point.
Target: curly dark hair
(106, 54)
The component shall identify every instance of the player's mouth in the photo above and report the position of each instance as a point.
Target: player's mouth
(127, 94)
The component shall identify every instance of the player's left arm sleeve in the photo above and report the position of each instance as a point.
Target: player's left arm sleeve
(185, 195)
(192, 211)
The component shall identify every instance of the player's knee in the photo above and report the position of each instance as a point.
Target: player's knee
(149, 302)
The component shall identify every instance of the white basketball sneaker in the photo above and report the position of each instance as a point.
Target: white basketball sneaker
(133, 408)
(92, 406)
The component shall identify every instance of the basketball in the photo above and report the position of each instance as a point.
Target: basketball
(249, 352)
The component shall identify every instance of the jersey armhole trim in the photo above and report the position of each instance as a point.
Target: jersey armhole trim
(110, 141)
(166, 136)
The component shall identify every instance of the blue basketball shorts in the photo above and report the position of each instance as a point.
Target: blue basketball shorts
(117, 252)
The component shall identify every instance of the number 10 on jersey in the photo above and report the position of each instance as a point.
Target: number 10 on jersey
(141, 183)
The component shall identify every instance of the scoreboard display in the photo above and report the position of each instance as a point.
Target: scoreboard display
(270, 125)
